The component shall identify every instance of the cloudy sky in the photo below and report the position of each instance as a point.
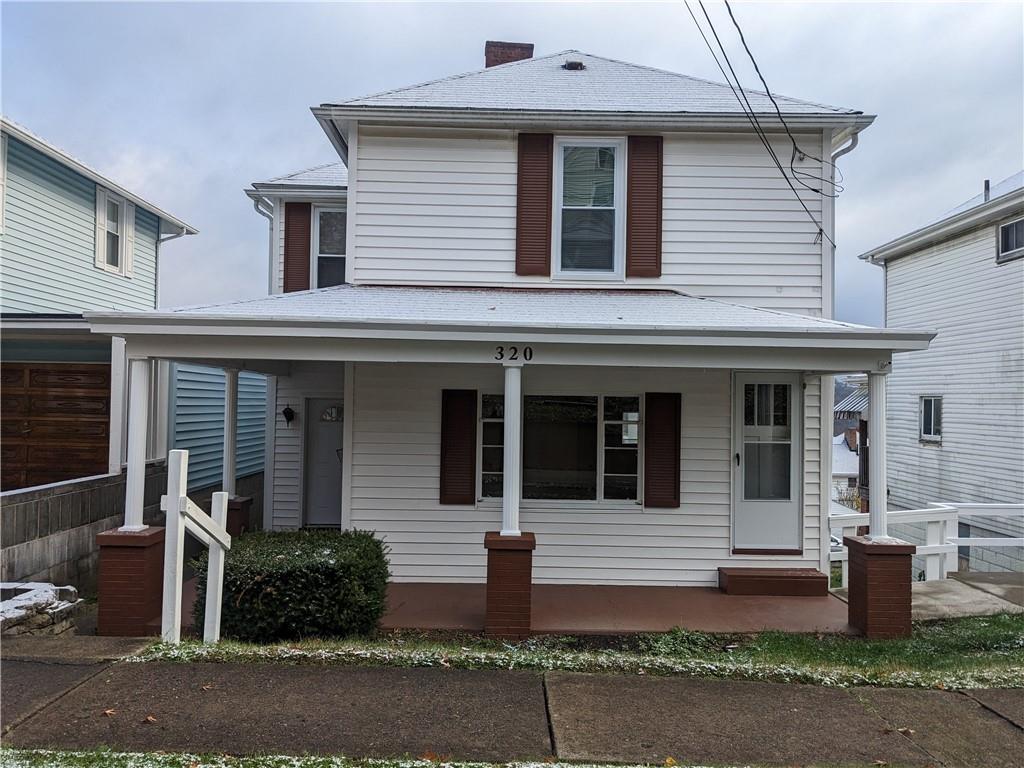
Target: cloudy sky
(188, 103)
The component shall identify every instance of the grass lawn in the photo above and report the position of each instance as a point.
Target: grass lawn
(104, 759)
(960, 653)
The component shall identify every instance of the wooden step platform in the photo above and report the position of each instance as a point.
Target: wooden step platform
(793, 582)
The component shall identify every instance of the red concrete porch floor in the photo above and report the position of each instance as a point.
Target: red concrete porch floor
(594, 609)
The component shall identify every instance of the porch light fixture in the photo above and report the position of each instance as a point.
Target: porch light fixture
(289, 415)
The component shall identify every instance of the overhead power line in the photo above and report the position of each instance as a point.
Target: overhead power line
(797, 150)
(738, 92)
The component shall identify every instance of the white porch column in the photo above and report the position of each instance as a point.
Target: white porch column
(230, 429)
(877, 501)
(118, 376)
(513, 467)
(138, 421)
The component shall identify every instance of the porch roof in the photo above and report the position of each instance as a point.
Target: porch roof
(575, 311)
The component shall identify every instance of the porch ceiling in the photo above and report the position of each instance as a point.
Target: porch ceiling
(464, 324)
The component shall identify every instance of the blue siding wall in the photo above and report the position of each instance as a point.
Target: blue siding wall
(49, 238)
(197, 422)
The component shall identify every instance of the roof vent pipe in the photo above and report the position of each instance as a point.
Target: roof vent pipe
(988, 189)
(573, 65)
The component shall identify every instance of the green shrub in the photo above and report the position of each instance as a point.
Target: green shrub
(295, 584)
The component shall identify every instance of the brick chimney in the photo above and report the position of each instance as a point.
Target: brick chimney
(497, 52)
(851, 438)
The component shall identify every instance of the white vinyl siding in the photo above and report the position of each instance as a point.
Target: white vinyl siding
(439, 206)
(395, 476)
(975, 363)
(307, 380)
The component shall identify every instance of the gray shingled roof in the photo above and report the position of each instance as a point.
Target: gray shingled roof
(604, 85)
(549, 308)
(334, 175)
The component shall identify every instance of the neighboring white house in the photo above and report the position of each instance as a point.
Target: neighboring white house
(580, 300)
(845, 463)
(956, 411)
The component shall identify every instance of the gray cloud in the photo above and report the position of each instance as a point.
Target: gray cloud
(188, 103)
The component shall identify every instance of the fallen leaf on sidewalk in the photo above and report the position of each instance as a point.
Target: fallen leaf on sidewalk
(208, 687)
(149, 719)
(906, 731)
(109, 712)
(880, 762)
(670, 761)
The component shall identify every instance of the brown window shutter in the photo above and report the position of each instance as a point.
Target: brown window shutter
(458, 446)
(533, 204)
(661, 449)
(297, 223)
(643, 206)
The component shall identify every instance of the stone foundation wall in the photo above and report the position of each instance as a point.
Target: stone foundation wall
(48, 534)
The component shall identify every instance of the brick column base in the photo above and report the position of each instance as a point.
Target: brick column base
(509, 584)
(239, 515)
(130, 582)
(879, 591)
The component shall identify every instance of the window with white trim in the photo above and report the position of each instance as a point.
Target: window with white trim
(931, 419)
(1011, 241)
(588, 220)
(575, 447)
(328, 251)
(115, 233)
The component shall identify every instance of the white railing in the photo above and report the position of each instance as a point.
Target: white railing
(942, 538)
(183, 514)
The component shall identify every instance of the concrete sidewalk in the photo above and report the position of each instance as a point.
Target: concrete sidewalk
(509, 715)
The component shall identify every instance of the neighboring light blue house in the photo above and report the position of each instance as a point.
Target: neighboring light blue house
(71, 241)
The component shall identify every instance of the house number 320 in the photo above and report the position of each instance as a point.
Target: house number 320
(513, 353)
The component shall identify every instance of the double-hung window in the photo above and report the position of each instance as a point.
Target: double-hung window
(575, 447)
(931, 419)
(588, 232)
(1011, 241)
(328, 251)
(115, 233)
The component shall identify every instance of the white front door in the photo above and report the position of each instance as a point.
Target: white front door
(324, 434)
(766, 463)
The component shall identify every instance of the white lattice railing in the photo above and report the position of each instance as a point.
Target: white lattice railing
(183, 514)
(942, 538)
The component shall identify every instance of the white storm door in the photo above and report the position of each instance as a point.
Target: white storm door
(324, 435)
(766, 463)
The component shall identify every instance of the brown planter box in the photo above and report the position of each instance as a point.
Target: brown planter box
(509, 584)
(879, 586)
(130, 581)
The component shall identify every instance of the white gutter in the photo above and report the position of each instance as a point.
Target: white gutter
(1005, 206)
(329, 114)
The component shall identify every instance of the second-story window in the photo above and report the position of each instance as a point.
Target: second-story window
(115, 233)
(589, 208)
(328, 250)
(1011, 241)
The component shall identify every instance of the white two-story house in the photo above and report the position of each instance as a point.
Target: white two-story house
(566, 296)
(956, 411)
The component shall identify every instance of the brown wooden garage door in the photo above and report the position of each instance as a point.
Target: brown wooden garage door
(55, 422)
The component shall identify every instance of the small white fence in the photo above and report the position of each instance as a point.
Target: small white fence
(183, 514)
(942, 538)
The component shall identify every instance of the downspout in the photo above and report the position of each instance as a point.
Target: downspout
(258, 204)
(854, 139)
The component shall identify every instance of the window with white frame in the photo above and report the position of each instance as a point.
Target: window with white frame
(328, 251)
(575, 447)
(1011, 240)
(588, 222)
(931, 419)
(115, 233)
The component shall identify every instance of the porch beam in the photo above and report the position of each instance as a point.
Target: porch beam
(230, 429)
(221, 352)
(512, 481)
(877, 501)
(138, 422)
